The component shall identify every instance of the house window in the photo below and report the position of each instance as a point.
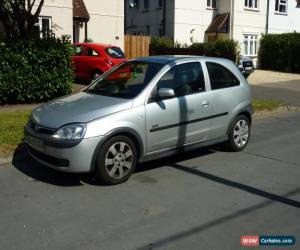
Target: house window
(45, 26)
(250, 45)
(212, 4)
(281, 6)
(146, 4)
(251, 4)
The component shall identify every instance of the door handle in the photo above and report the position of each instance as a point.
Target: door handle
(205, 104)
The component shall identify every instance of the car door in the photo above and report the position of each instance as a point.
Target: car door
(225, 87)
(77, 60)
(182, 119)
(90, 61)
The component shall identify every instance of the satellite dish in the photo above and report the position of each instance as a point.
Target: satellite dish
(132, 3)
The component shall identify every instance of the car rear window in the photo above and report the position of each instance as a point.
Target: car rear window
(115, 52)
(220, 77)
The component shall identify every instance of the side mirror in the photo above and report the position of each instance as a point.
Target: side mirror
(165, 93)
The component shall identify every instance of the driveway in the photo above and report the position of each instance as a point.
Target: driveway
(205, 199)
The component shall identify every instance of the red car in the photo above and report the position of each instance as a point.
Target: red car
(93, 59)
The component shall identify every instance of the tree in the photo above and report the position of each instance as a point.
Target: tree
(19, 17)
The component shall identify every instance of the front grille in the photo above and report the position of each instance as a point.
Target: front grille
(247, 64)
(49, 159)
(39, 129)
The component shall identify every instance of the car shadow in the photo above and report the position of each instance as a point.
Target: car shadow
(38, 172)
(181, 156)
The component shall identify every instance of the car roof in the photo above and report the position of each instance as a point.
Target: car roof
(96, 45)
(166, 59)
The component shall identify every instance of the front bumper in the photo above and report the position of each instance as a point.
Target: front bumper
(76, 159)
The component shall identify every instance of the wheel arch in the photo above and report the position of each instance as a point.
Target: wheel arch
(247, 111)
(130, 133)
(97, 70)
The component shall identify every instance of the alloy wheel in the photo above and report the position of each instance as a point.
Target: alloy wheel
(241, 133)
(118, 160)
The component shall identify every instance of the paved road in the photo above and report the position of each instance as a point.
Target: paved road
(286, 92)
(203, 200)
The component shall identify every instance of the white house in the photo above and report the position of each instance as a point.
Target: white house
(284, 16)
(98, 20)
(188, 21)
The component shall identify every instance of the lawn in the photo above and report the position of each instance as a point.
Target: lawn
(13, 122)
(11, 130)
(262, 104)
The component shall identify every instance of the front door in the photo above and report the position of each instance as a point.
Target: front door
(184, 118)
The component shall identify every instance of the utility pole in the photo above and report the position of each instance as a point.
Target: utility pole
(267, 16)
(231, 19)
(164, 17)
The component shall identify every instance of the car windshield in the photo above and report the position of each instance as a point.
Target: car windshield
(115, 52)
(126, 81)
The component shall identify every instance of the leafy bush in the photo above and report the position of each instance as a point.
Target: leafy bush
(165, 43)
(36, 70)
(225, 48)
(280, 52)
(161, 43)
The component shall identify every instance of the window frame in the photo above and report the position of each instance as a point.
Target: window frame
(201, 72)
(250, 38)
(228, 70)
(279, 3)
(209, 4)
(254, 2)
(40, 25)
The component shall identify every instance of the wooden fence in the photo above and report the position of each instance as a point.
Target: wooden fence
(136, 46)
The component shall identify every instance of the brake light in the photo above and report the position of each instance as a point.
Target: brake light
(109, 62)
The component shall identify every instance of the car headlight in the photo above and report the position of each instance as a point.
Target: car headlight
(70, 132)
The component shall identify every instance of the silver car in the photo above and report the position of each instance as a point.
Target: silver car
(141, 110)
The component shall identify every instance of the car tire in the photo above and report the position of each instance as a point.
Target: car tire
(239, 134)
(116, 160)
(96, 74)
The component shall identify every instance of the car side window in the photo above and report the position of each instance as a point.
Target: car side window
(220, 77)
(91, 52)
(184, 79)
(78, 50)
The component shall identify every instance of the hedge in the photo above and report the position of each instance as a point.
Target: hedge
(280, 52)
(225, 48)
(35, 71)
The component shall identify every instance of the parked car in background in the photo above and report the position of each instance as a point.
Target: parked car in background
(246, 66)
(143, 109)
(93, 59)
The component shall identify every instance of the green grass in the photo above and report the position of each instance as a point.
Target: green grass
(262, 104)
(11, 130)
